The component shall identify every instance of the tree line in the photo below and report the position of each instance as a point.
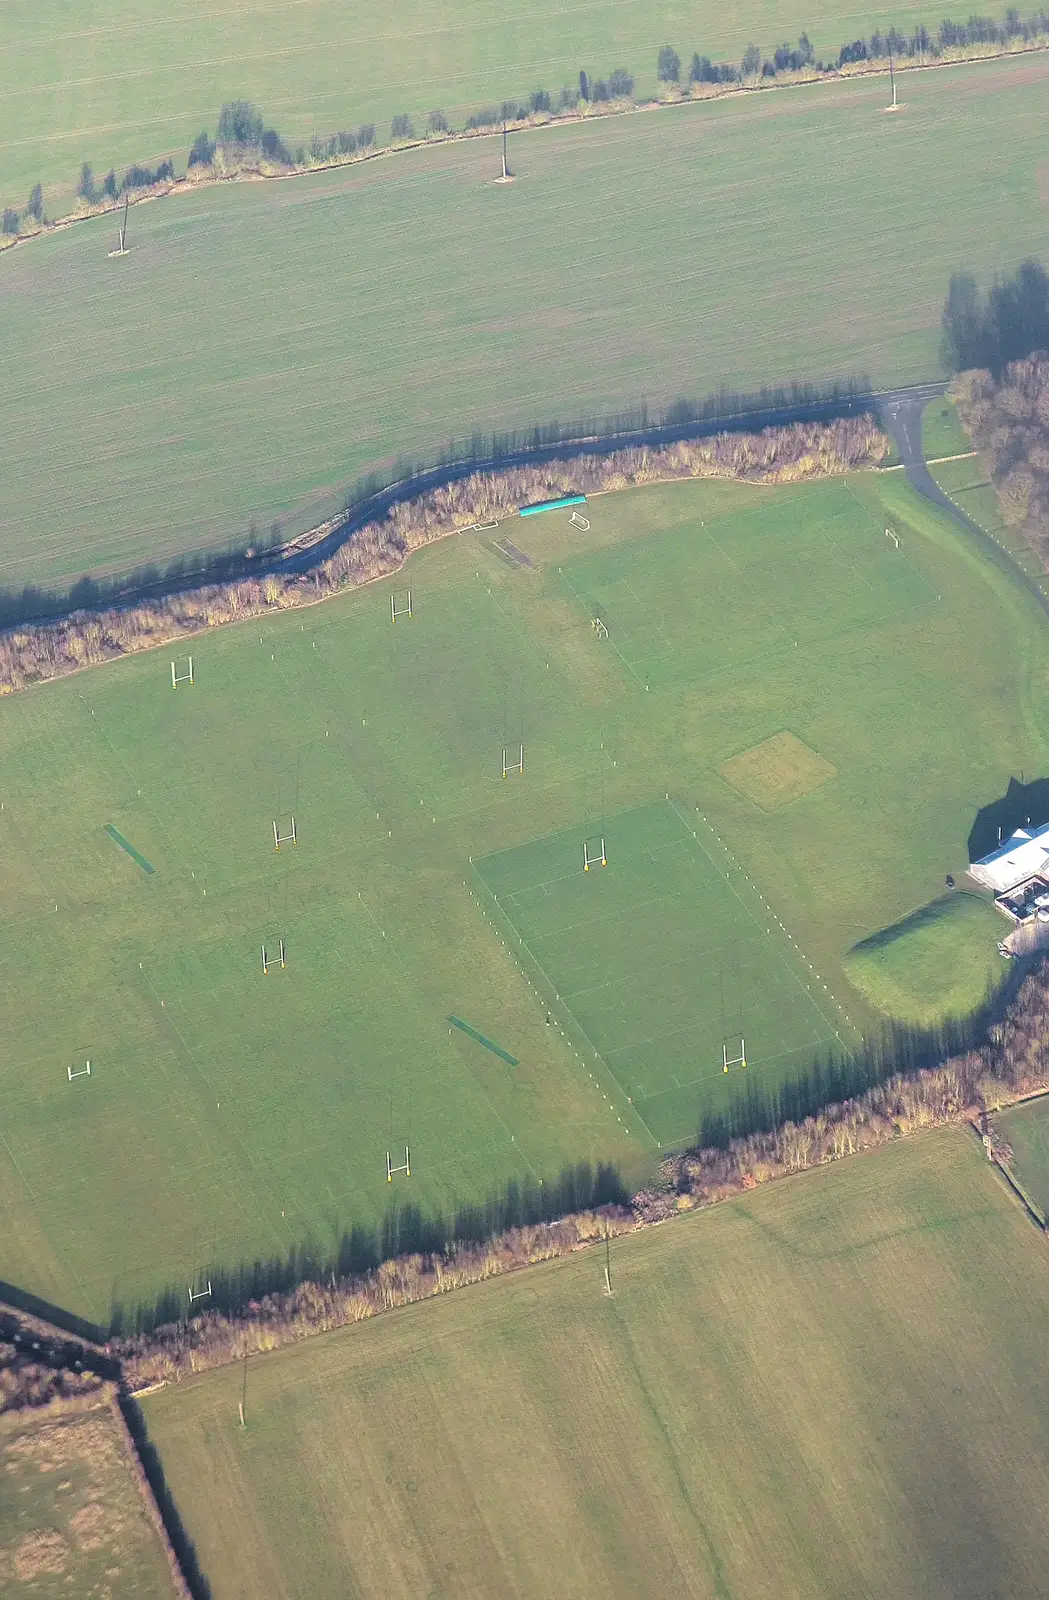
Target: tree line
(257, 553)
(1005, 418)
(242, 135)
(919, 44)
(411, 1255)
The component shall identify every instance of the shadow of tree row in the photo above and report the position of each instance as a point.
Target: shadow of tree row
(408, 1229)
(835, 1078)
(405, 1230)
(261, 554)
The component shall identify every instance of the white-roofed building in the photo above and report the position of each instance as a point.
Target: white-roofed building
(1016, 861)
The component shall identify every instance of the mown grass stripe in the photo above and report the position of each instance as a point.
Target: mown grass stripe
(132, 852)
(497, 1050)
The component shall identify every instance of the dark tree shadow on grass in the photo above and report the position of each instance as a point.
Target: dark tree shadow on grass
(405, 1230)
(1021, 805)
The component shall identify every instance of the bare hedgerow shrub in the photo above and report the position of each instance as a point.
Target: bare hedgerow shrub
(776, 455)
(1014, 1062)
(1007, 420)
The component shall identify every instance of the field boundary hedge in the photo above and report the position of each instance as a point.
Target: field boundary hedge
(39, 652)
(46, 1378)
(259, 169)
(1011, 1066)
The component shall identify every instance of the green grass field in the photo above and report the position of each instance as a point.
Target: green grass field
(263, 344)
(831, 1387)
(1026, 1128)
(119, 84)
(793, 681)
(646, 956)
(72, 1517)
(940, 961)
(942, 431)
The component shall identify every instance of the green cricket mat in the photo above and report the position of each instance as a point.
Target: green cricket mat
(132, 852)
(504, 1055)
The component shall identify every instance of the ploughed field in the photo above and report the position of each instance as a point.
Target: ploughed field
(832, 1386)
(130, 85)
(767, 743)
(265, 343)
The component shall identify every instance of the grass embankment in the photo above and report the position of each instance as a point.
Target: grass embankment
(263, 343)
(1026, 1128)
(790, 678)
(972, 491)
(135, 87)
(939, 961)
(72, 1517)
(942, 431)
(967, 483)
(807, 1391)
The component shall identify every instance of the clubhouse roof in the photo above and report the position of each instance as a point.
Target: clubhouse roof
(1024, 856)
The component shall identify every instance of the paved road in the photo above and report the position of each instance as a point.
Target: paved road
(901, 416)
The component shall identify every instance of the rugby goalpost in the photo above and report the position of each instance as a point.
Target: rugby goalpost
(284, 838)
(728, 1062)
(178, 677)
(513, 766)
(400, 604)
(265, 958)
(592, 857)
(405, 1166)
(79, 1072)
